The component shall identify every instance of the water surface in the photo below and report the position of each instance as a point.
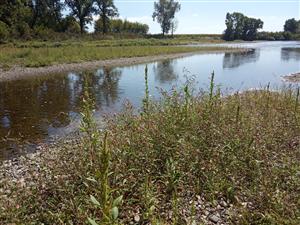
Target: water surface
(32, 110)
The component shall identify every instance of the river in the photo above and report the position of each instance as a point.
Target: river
(34, 110)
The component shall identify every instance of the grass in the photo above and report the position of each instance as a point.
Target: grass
(243, 149)
(38, 53)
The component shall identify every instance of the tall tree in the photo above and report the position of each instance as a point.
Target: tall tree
(14, 11)
(250, 28)
(164, 13)
(229, 32)
(46, 12)
(174, 26)
(107, 10)
(82, 10)
(55, 11)
(239, 26)
(292, 25)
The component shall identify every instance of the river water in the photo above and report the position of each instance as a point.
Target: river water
(34, 110)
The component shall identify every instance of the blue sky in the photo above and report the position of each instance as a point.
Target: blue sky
(207, 16)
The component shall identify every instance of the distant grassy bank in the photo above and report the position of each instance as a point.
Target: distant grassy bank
(38, 53)
(205, 159)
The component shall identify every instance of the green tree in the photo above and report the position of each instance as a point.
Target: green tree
(120, 26)
(292, 25)
(14, 11)
(239, 26)
(70, 25)
(229, 32)
(16, 14)
(82, 10)
(250, 28)
(116, 26)
(174, 26)
(106, 10)
(164, 13)
(3, 31)
(47, 13)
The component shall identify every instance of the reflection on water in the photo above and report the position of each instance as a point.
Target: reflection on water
(290, 53)
(39, 104)
(164, 71)
(33, 109)
(236, 59)
(105, 86)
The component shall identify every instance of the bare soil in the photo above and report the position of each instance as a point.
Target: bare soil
(295, 77)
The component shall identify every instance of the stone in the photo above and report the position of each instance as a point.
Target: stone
(137, 218)
(214, 218)
(223, 203)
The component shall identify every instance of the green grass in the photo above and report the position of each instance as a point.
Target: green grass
(38, 54)
(244, 148)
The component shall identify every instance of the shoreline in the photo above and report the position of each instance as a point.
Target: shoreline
(58, 170)
(18, 168)
(17, 72)
(294, 77)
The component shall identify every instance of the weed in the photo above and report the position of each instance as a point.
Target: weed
(38, 54)
(243, 148)
(98, 167)
(146, 98)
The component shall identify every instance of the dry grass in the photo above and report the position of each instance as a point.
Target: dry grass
(37, 53)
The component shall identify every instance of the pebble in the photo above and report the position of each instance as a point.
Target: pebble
(214, 218)
(223, 203)
(206, 213)
(137, 218)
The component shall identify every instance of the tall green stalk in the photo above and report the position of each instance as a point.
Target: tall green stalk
(146, 98)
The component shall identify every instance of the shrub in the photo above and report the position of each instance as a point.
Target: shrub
(287, 35)
(276, 36)
(243, 148)
(123, 26)
(4, 32)
(45, 33)
(23, 30)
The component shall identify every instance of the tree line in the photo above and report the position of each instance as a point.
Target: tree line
(30, 18)
(26, 18)
(21, 18)
(241, 27)
(121, 26)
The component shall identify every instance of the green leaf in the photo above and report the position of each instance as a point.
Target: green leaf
(91, 221)
(115, 213)
(94, 200)
(152, 208)
(118, 200)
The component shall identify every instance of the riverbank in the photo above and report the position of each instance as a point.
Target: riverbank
(26, 172)
(295, 77)
(40, 54)
(184, 160)
(156, 54)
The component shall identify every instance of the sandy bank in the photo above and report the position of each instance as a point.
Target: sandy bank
(295, 77)
(17, 73)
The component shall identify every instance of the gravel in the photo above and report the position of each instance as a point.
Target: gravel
(295, 77)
